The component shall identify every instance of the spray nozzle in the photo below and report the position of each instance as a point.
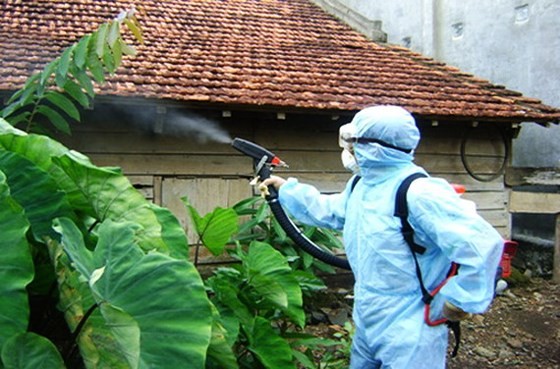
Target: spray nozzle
(260, 155)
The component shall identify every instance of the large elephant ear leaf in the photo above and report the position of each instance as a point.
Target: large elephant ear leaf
(31, 351)
(98, 346)
(270, 274)
(163, 295)
(36, 191)
(16, 266)
(112, 196)
(40, 150)
(215, 228)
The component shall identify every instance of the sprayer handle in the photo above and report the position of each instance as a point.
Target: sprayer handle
(264, 173)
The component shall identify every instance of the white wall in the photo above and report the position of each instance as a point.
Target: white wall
(515, 43)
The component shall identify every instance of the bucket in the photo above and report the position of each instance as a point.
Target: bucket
(510, 248)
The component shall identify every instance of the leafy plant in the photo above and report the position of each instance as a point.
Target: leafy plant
(93, 274)
(260, 299)
(262, 226)
(66, 84)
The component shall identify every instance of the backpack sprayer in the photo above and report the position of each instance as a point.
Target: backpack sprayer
(264, 163)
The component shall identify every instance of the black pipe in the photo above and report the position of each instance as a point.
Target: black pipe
(301, 240)
(263, 162)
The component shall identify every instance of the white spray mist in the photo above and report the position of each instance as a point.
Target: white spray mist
(188, 124)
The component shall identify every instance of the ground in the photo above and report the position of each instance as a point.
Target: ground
(521, 329)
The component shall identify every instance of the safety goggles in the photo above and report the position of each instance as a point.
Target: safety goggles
(380, 142)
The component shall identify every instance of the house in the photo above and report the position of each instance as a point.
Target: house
(284, 74)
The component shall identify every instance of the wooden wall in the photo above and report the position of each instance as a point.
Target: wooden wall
(166, 168)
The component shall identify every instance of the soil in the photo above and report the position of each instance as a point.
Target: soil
(521, 329)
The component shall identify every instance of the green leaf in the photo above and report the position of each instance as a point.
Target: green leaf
(75, 92)
(16, 265)
(117, 54)
(227, 294)
(303, 359)
(125, 330)
(48, 71)
(127, 49)
(271, 349)
(112, 196)
(113, 34)
(35, 191)
(247, 206)
(101, 40)
(55, 118)
(172, 231)
(63, 103)
(31, 351)
(309, 281)
(25, 98)
(165, 296)
(98, 346)
(108, 59)
(39, 150)
(133, 26)
(22, 117)
(95, 67)
(215, 228)
(62, 70)
(84, 81)
(219, 354)
(80, 54)
(267, 270)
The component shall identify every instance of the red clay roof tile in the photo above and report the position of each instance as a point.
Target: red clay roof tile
(275, 53)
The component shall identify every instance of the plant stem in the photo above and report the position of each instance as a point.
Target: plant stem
(73, 342)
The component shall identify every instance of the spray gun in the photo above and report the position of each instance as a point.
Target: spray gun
(264, 162)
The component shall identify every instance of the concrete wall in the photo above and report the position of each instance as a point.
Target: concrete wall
(515, 43)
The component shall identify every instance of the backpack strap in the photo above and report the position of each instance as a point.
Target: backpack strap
(401, 211)
(354, 183)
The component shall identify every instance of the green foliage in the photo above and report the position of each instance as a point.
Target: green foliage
(30, 351)
(66, 84)
(81, 244)
(264, 227)
(116, 261)
(260, 299)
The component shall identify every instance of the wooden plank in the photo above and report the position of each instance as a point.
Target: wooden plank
(157, 190)
(556, 262)
(200, 165)
(497, 218)
(144, 181)
(532, 176)
(533, 202)
(436, 163)
(487, 200)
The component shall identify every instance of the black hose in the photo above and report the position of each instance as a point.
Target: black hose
(470, 171)
(300, 239)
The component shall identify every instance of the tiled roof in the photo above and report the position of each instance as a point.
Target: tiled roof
(286, 54)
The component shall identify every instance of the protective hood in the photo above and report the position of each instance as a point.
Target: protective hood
(386, 136)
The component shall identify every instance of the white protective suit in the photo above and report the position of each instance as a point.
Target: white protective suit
(388, 311)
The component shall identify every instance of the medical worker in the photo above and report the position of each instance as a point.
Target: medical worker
(388, 313)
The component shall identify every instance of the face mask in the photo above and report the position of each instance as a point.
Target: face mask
(346, 136)
(349, 161)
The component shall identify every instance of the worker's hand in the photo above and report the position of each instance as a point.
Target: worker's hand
(275, 181)
(453, 313)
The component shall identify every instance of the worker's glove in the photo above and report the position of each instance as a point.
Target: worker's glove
(274, 181)
(453, 313)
